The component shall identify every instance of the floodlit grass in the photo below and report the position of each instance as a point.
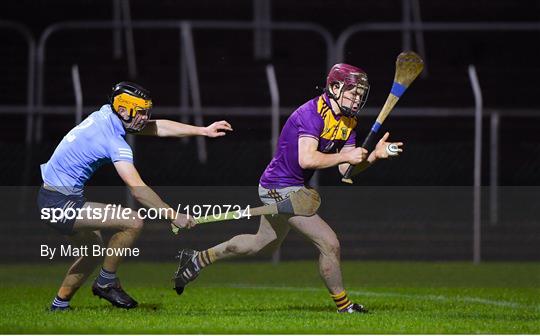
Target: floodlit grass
(403, 297)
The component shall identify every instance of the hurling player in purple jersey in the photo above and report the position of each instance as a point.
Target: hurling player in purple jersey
(98, 140)
(319, 134)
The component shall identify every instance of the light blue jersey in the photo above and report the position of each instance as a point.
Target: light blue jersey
(97, 140)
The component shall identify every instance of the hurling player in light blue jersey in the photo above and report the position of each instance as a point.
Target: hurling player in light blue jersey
(97, 140)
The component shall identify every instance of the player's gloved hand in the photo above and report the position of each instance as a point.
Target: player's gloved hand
(385, 149)
(182, 221)
(217, 129)
(356, 155)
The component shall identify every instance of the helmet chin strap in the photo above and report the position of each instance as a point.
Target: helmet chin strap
(130, 129)
(129, 124)
(346, 111)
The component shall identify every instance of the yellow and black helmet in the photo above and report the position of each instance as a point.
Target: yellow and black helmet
(135, 100)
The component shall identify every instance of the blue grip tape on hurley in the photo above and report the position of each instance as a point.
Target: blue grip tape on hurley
(398, 89)
(375, 127)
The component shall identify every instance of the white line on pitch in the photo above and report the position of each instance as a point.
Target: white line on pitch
(467, 299)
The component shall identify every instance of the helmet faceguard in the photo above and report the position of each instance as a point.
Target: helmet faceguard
(136, 101)
(349, 78)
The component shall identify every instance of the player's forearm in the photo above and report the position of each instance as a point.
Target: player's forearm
(148, 198)
(318, 160)
(169, 128)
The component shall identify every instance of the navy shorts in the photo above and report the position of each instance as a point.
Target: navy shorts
(55, 200)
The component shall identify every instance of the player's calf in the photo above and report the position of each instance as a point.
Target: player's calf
(248, 244)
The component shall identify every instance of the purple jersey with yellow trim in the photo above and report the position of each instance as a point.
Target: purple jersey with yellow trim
(314, 119)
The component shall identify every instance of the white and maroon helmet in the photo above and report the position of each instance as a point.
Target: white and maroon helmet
(348, 77)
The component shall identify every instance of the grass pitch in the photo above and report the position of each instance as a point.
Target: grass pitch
(403, 297)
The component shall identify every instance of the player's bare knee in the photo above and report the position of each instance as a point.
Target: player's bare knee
(330, 247)
(136, 224)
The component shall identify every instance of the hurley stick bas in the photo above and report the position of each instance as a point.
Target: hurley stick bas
(303, 202)
(408, 66)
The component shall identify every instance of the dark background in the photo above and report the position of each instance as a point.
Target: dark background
(439, 149)
(439, 146)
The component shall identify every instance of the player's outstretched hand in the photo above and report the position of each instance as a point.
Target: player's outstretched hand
(217, 129)
(386, 149)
